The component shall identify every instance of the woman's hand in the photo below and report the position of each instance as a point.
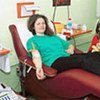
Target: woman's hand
(40, 74)
(70, 50)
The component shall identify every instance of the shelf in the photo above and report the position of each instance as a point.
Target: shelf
(4, 51)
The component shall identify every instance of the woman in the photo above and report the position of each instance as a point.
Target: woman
(95, 44)
(45, 47)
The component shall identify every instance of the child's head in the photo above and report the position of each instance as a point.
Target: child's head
(98, 29)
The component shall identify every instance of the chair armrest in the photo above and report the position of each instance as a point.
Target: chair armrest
(77, 51)
(49, 71)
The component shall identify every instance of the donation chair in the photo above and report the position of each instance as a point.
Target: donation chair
(73, 84)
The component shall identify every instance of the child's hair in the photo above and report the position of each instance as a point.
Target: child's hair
(98, 30)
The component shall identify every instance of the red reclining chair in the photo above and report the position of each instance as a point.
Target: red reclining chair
(70, 84)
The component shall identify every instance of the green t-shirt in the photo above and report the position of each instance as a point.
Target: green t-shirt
(50, 47)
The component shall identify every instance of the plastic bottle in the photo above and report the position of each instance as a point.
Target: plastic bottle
(84, 28)
(69, 25)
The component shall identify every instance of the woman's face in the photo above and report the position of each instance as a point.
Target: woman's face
(40, 26)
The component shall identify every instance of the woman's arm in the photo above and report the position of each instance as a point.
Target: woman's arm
(36, 58)
(68, 47)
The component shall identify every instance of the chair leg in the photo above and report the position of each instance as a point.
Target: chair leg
(22, 87)
(20, 74)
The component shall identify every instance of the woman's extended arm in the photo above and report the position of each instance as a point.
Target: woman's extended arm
(38, 64)
(68, 47)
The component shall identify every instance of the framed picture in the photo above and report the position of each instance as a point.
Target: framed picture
(22, 11)
(61, 2)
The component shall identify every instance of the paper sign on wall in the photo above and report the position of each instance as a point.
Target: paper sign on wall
(26, 9)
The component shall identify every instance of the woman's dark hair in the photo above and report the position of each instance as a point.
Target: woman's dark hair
(98, 29)
(33, 19)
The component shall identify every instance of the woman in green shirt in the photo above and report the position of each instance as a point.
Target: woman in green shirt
(45, 47)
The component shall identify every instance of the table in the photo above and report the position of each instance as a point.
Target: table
(4, 51)
(76, 32)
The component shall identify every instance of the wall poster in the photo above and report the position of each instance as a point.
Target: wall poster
(61, 2)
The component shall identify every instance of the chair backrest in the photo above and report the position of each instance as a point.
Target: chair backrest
(19, 48)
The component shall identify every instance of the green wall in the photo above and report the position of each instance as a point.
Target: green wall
(81, 12)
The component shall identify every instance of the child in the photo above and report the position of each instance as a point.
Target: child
(95, 44)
